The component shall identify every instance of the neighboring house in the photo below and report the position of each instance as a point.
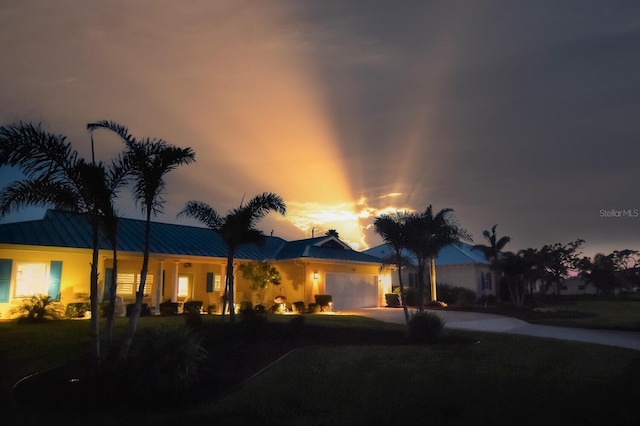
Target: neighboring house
(570, 287)
(52, 256)
(458, 265)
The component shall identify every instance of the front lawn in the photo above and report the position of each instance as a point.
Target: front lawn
(351, 370)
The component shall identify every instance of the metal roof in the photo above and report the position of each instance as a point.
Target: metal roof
(69, 229)
(453, 254)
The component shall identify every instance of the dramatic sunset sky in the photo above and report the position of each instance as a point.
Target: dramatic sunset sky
(524, 114)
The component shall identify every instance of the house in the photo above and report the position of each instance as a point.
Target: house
(458, 265)
(52, 256)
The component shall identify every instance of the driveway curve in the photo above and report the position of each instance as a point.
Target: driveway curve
(458, 320)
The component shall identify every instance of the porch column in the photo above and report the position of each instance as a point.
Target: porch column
(174, 287)
(159, 285)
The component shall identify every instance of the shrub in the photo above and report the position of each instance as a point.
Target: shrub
(194, 306)
(77, 309)
(459, 296)
(425, 327)
(165, 361)
(192, 319)
(212, 308)
(314, 308)
(392, 299)
(298, 307)
(144, 309)
(412, 296)
(252, 322)
(166, 308)
(38, 308)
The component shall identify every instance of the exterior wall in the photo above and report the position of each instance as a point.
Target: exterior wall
(468, 275)
(75, 276)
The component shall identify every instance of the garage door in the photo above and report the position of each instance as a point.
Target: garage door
(349, 291)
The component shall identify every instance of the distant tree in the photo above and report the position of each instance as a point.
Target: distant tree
(391, 228)
(610, 272)
(535, 271)
(148, 160)
(492, 253)
(332, 233)
(261, 274)
(238, 227)
(426, 235)
(515, 268)
(558, 260)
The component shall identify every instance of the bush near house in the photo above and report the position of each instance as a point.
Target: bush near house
(458, 296)
(38, 308)
(425, 327)
(77, 310)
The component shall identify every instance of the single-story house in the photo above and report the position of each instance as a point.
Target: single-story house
(52, 256)
(458, 265)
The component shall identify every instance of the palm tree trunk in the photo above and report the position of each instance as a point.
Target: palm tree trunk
(94, 353)
(132, 325)
(421, 285)
(403, 299)
(432, 276)
(113, 286)
(229, 296)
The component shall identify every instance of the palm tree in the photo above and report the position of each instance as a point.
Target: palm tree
(492, 253)
(149, 161)
(236, 228)
(391, 229)
(54, 174)
(427, 234)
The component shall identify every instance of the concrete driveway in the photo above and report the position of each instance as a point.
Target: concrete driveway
(500, 324)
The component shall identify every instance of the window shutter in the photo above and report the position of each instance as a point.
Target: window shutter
(55, 272)
(5, 279)
(108, 276)
(209, 282)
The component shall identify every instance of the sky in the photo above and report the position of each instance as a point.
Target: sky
(522, 114)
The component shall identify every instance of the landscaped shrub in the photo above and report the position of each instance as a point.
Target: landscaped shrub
(412, 296)
(165, 362)
(298, 307)
(458, 296)
(77, 309)
(314, 308)
(425, 327)
(212, 308)
(38, 308)
(324, 301)
(192, 306)
(144, 309)
(166, 308)
(392, 299)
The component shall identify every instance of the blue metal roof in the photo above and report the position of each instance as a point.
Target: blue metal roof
(453, 254)
(68, 229)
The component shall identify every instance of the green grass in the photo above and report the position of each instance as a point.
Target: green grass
(504, 379)
(601, 314)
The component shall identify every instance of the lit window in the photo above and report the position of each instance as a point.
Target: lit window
(183, 286)
(31, 278)
(127, 282)
(216, 283)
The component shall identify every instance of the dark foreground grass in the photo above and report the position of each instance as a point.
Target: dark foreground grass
(342, 372)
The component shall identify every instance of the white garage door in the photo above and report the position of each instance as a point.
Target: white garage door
(349, 291)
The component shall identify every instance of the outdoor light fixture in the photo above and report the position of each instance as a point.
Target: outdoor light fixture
(316, 275)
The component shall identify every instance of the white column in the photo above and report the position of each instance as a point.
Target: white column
(174, 287)
(159, 285)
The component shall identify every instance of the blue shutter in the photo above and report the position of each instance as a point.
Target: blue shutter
(55, 272)
(108, 274)
(5, 279)
(209, 282)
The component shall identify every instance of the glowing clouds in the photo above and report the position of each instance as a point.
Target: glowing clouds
(350, 219)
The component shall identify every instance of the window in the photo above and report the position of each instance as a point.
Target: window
(216, 283)
(128, 281)
(31, 278)
(183, 286)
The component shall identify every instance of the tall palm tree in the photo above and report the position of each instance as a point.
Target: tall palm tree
(236, 228)
(149, 160)
(391, 229)
(427, 234)
(492, 253)
(55, 175)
